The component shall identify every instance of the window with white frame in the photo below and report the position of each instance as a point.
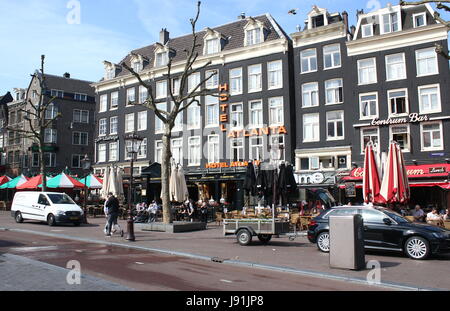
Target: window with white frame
(161, 89)
(429, 99)
(57, 93)
(103, 103)
(391, 22)
(367, 30)
(254, 78)
(131, 96)
(142, 154)
(178, 124)
(332, 56)
(257, 148)
(158, 151)
(431, 134)
(308, 59)
(212, 46)
(162, 59)
(395, 67)
(142, 121)
(80, 116)
(400, 134)
(335, 125)
(310, 92)
(368, 105)
(159, 125)
(212, 111)
(129, 123)
(113, 125)
(110, 73)
(194, 116)
(143, 94)
(80, 138)
(398, 102)
(256, 113)
(236, 81)
(113, 152)
(427, 62)
(128, 146)
(369, 135)
(194, 151)
(276, 111)
(176, 86)
(80, 97)
(50, 136)
(102, 126)
(114, 100)
(237, 115)
(137, 65)
(334, 91)
(237, 149)
(420, 19)
(50, 159)
(276, 144)
(177, 150)
(213, 82)
(367, 71)
(254, 36)
(275, 74)
(50, 113)
(194, 81)
(311, 127)
(213, 149)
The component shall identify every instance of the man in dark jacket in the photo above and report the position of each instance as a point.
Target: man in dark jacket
(113, 212)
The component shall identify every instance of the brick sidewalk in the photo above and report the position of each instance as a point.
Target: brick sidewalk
(280, 252)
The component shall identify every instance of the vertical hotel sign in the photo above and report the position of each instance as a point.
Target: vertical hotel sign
(224, 96)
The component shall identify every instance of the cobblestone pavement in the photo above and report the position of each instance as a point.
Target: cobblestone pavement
(18, 273)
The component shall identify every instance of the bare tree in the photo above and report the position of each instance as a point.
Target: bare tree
(36, 121)
(437, 16)
(181, 102)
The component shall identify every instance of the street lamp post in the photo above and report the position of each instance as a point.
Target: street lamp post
(133, 143)
(86, 166)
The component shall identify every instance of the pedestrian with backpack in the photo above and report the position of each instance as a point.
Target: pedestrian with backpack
(112, 206)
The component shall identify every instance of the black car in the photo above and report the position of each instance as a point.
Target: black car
(384, 230)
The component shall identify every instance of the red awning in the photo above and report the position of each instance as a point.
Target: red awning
(443, 185)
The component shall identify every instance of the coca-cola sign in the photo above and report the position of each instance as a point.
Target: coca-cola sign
(412, 118)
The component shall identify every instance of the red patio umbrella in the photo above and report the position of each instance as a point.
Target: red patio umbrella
(395, 186)
(4, 180)
(371, 177)
(32, 184)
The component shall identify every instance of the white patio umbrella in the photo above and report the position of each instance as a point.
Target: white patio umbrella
(104, 191)
(119, 180)
(182, 190)
(112, 187)
(173, 183)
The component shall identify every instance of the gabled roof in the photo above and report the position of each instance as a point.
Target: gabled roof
(69, 85)
(232, 32)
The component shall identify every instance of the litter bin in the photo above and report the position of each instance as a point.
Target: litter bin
(347, 242)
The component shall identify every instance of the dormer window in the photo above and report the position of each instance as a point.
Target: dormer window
(367, 30)
(213, 42)
(318, 21)
(390, 22)
(254, 32)
(137, 66)
(137, 62)
(162, 59)
(110, 70)
(212, 46)
(420, 19)
(317, 18)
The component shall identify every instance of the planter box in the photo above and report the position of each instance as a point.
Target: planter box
(175, 227)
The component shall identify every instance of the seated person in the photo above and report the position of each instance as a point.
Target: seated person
(434, 216)
(447, 215)
(418, 214)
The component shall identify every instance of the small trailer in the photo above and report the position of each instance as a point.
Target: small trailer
(264, 229)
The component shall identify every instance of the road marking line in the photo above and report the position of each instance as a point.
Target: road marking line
(34, 249)
(226, 281)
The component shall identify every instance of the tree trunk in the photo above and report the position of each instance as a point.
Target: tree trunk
(165, 174)
(42, 164)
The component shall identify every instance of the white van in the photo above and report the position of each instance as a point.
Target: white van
(50, 207)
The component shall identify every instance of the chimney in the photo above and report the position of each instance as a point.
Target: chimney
(242, 16)
(66, 75)
(163, 36)
(345, 17)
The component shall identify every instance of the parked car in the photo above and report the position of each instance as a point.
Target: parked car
(384, 230)
(50, 207)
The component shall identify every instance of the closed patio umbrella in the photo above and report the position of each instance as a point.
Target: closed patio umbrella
(182, 189)
(250, 180)
(112, 186)
(371, 178)
(104, 192)
(173, 182)
(119, 183)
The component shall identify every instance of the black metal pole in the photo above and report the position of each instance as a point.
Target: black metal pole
(130, 221)
(85, 201)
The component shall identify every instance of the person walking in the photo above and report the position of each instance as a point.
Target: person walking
(112, 204)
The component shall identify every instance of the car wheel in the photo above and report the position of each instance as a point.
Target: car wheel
(417, 248)
(323, 242)
(244, 237)
(19, 218)
(51, 221)
(264, 238)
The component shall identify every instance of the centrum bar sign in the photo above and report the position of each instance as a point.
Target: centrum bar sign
(412, 118)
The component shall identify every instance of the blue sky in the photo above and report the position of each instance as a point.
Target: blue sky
(109, 29)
